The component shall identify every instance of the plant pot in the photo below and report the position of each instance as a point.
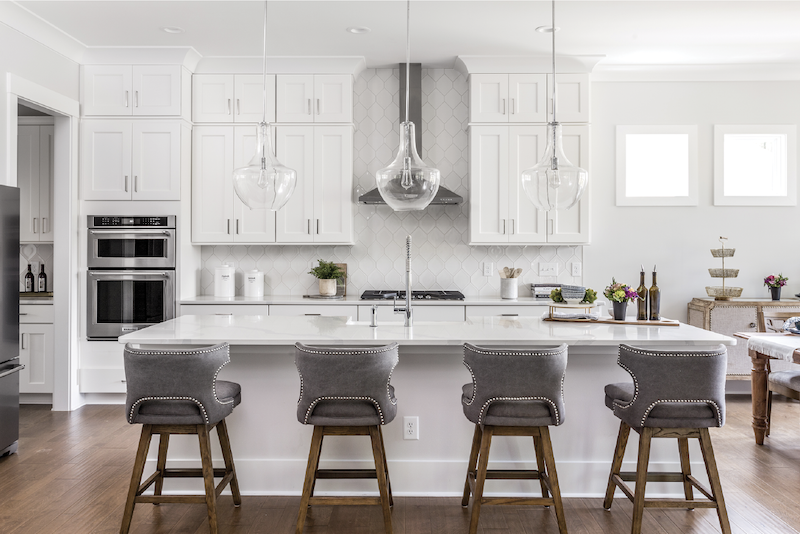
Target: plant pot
(327, 287)
(776, 293)
(619, 310)
(508, 288)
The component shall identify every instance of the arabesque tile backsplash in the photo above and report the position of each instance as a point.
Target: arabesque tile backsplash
(441, 258)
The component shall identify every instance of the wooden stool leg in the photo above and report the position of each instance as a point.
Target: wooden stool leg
(769, 411)
(540, 464)
(483, 464)
(161, 464)
(136, 477)
(550, 462)
(227, 455)
(713, 478)
(641, 479)
(316, 467)
(473, 462)
(386, 468)
(686, 469)
(208, 476)
(380, 464)
(308, 484)
(616, 464)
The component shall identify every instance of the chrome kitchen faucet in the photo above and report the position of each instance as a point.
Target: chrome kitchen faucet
(407, 309)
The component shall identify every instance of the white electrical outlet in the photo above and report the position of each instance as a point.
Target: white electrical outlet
(411, 427)
(548, 269)
(577, 269)
(488, 268)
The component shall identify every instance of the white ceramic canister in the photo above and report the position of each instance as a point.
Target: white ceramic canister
(509, 288)
(224, 281)
(254, 283)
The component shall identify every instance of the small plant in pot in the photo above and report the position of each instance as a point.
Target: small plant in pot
(328, 273)
(775, 283)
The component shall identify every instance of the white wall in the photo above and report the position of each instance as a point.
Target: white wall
(38, 64)
(678, 239)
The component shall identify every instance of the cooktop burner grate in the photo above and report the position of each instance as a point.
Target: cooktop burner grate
(382, 294)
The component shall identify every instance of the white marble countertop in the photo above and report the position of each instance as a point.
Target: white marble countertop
(248, 330)
(355, 299)
(36, 300)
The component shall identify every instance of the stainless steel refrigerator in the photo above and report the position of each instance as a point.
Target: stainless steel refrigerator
(9, 319)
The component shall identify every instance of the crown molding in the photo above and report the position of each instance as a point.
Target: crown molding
(524, 64)
(282, 65)
(141, 55)
(697, 73)
(20, 19)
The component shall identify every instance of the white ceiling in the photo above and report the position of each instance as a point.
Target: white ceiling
(632, 32)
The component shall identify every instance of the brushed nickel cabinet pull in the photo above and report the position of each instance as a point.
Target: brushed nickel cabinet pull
(509, 315)
(550, 226)
(126, 183)
(238, 107)
(504, 227)
(504, 106)
(513, 108)
(237, 226)
(135, 184)
(513, 226)
(22, 343)
(312, 314)
(34, 225)
(229, 106)
(136, 99)
(44, 225)
(308, 226)
(317, 226)
(309, 106)
(126, 99)
(318, 106)
(229, 226)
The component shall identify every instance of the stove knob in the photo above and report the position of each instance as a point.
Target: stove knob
(427, 296)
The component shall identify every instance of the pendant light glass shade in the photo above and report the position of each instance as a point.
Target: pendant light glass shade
(264, 183)
(408, 184)
(554, 183)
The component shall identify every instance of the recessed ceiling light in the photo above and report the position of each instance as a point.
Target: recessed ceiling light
(547, 29)
(172, 29)
(358, 29)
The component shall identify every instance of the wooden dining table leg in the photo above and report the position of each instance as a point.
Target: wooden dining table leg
(758, 382)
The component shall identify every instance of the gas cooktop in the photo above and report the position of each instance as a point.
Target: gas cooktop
(381, 294)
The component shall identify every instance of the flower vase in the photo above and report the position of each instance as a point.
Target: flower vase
(327, 288)
(619, 310)
(776, 293)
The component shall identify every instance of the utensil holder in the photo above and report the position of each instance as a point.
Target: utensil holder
(509, 288)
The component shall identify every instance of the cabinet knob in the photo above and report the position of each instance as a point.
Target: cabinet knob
(752, 325)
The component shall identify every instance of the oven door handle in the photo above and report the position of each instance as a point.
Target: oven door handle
(11, 371)
(130, 273)
(127, 232)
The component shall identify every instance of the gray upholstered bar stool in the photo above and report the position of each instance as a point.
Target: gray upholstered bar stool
(346, 392)
(177, 392)
(674, 394)
(514, 392)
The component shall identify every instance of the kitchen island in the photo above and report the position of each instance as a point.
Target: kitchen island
(271, 448)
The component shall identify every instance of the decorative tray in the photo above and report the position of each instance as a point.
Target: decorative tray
(35, 294)
(662, 322)
(324, 297)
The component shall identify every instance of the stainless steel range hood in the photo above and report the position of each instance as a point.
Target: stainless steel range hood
(443, 196)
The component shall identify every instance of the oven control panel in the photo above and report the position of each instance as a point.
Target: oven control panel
(114, 221)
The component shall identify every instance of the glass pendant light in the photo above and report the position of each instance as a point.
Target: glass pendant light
(554, 183)
(408, 184)
(264, 183)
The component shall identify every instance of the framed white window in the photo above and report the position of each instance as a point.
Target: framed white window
(657, 165)
(755, 165)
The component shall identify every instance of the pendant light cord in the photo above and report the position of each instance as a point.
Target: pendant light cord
(408, 52)
(553, 26)
(264, 116)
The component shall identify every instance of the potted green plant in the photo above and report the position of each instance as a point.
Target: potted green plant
(328, 273)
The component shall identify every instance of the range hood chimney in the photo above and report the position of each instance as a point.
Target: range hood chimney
(443, 196)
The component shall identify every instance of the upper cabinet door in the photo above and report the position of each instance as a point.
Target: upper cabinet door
(572, 225)
(488, 98)
(46, 172)
(212, 185)
(212, 98)
(572, 97)
(156, 165)
(251, 226)
(107, 90)
(527, 98)
(525, 146)
(295, 149)
(28, 156)
(105, 164)
(249, 94)
(488, 163)
(333, 98)
(295, 95)
(157, 90)
(333, 184)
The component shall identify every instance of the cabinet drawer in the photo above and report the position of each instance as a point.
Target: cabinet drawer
(310, 309)
(36, 313)
(506, 311)
(224, 309)
(421, 313)
(102, 381)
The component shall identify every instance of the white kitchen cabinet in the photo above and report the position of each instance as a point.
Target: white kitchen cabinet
(572, 97)
(509, 311)
(329, 310)
(130, 160)
(508, 97)
(314, 98)
(223, 310)
(218, 216)
(36, 351)
(35, 182)
(232, 98)
(118, 90)
(500, 210)
(321, 208)
(421, 312)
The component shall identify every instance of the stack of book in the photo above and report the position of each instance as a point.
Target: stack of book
(542, 291)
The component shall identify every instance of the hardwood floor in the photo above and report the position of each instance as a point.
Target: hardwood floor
(73, 470)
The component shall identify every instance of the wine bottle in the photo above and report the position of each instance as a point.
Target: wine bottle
(655, 299)
(29, 280)
(641, 304)
(42, 285)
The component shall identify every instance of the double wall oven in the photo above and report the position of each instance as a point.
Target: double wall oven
(131, 276)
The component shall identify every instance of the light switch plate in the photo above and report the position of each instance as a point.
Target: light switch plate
(548, 269)
(577, 268)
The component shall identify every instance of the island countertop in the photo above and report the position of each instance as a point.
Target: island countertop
(249, 330)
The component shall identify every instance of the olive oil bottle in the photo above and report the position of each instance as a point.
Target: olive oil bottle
(641, 303)
(655, 299)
